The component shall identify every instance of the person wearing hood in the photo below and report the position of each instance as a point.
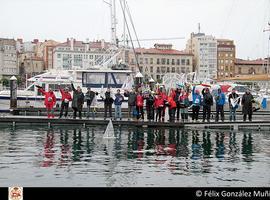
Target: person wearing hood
(108, 101)
(220, 101)
(196, 103)
(150, 110)
(49, 101)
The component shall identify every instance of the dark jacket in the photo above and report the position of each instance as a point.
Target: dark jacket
(131, 98)
(89, 96)
(150, 101)
(108, 99)
(118, 99)
(246, 102)
(78, 98)
(207, 98)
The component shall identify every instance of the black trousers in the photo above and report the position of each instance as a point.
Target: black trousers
(140, 112)
(150, 112)
(220, 109)
(206, 112)
(75, 110)
(64, 107)
(172, 114)
(107, 107)
(159, 113)
(249, 117)
(177, 111)
(195, 112)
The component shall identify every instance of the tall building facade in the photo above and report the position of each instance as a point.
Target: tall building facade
(156, 62)
(204, 49)
(226, 58)
(8, 58)
(80, 54)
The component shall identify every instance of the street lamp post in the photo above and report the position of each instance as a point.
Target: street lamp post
(138, 80)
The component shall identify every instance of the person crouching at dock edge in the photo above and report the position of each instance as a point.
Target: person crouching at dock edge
(131, 101)
(66, 98)
(89, 97)
(196, 103)
(246, 102)
(77, 101)
(108, 101)
(49, 101)
(117, 103)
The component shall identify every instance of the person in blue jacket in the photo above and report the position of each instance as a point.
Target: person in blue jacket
(196, 103)
(220, 101)
(117, 103)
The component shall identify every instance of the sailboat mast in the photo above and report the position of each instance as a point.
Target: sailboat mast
(113, 22)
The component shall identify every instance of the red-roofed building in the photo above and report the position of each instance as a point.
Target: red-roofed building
(156, 62)
(248, 67)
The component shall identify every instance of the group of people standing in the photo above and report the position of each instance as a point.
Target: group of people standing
(177, 101)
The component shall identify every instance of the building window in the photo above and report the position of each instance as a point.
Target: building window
(239, 70)
(168, 61)
(183, 69)
(173, 69)
(141, 60)
(168, 70)
(178, 61)
(163, 61)
(58, 55)
(158, 77)
(158, 70)
(188, 62)
(151, 69)
(173, 63)
(158, 61)
(151, 60)
(226, 68)
(183, 62)
(146, 60)
(132, 61)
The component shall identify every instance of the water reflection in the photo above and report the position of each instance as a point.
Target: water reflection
(139, 143)
(49, 152)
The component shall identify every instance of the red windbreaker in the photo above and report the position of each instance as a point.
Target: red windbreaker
(65, 95)
(50, 98)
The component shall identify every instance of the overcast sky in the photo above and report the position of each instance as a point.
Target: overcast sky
(240, 20)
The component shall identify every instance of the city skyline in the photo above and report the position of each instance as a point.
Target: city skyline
(241, 21)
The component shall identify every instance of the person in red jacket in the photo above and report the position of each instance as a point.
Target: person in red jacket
(172, 107)
(159, 105)
(66, 98)
(139, 105)
(49, 101)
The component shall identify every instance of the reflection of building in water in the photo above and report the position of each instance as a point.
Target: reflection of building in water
(220, 145)
(48, 149)
(247, 147)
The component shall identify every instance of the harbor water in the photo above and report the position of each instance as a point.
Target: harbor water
(135, 157)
